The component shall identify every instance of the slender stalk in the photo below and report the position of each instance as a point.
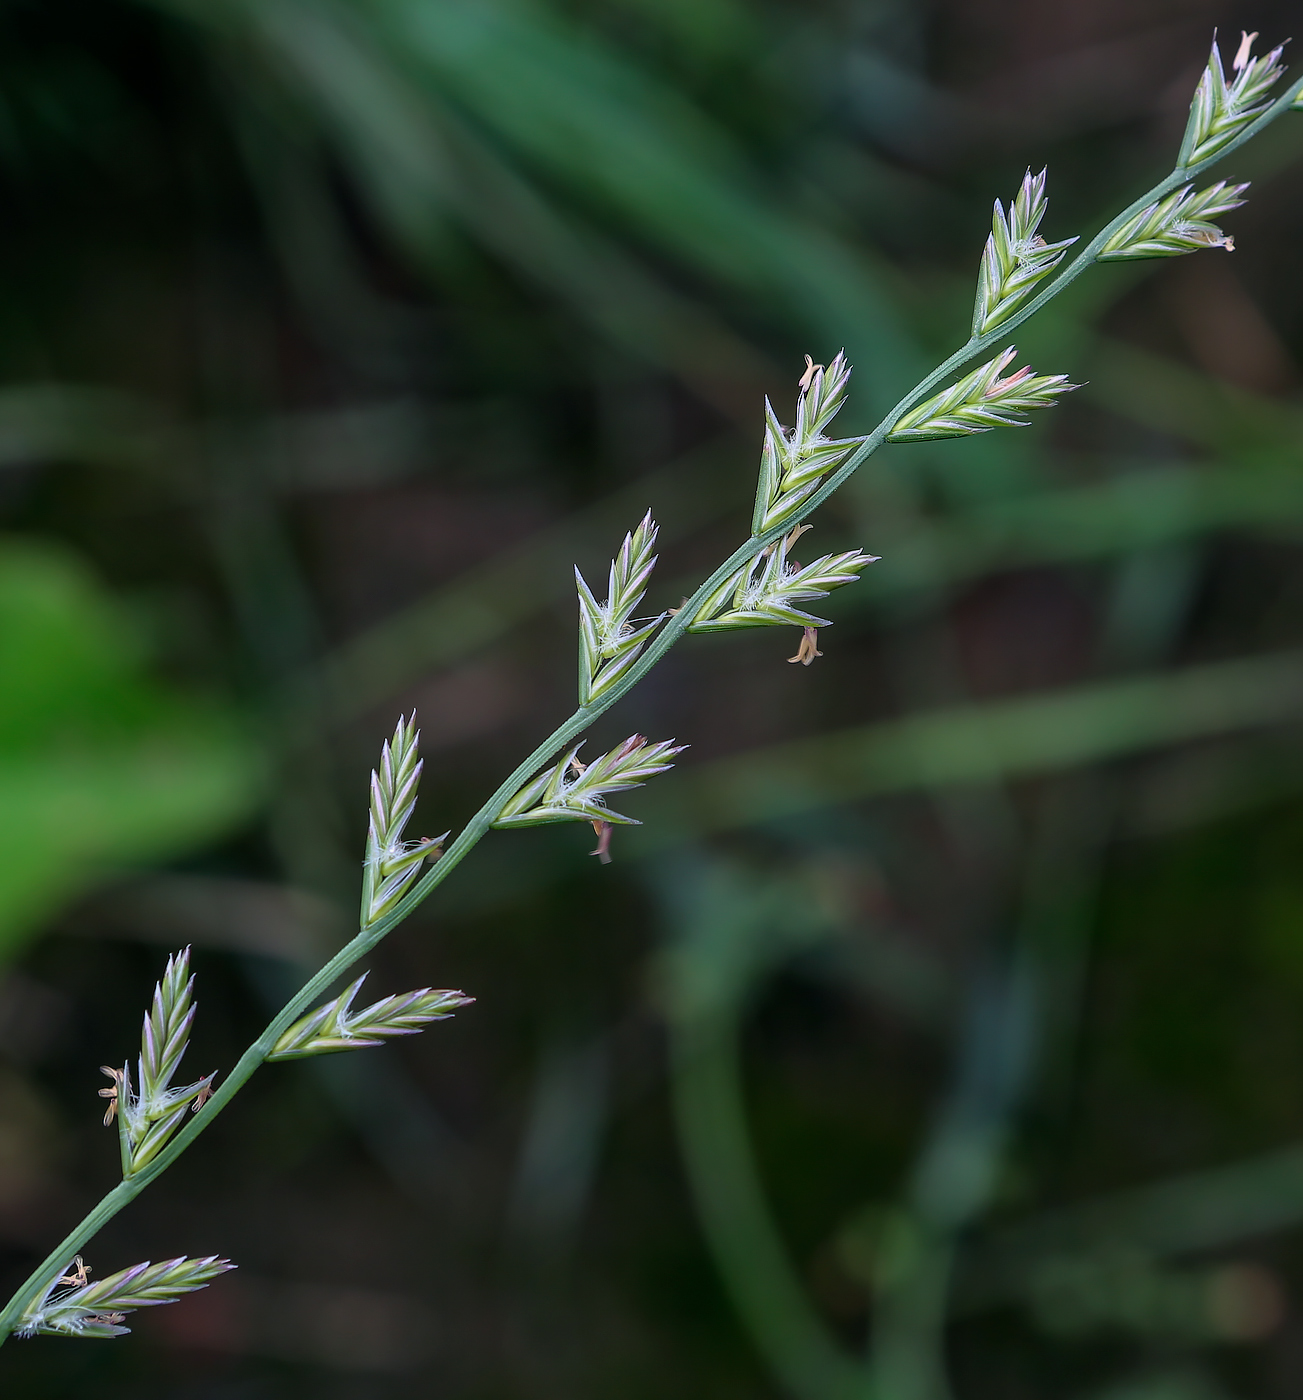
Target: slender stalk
(708, 1103)
(59, 1258)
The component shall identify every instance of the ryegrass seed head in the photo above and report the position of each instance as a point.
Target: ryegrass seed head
(984, 399)
(794, 462)
(1016, 258)
(336, 1026)
(1179, 223)
(1220, 110)
(72, 1306)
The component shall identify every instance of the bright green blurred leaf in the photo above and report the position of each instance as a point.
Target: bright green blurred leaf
(100, 766)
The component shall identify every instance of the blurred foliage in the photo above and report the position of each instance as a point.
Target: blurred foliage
(937, 1033)
(102, 768)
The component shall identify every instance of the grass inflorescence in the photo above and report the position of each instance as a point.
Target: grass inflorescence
(759, 584)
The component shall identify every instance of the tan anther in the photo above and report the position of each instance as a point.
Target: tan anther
(1243, 52)
(808, 649)
(603, 848)
(111, 1094)
(811, 369)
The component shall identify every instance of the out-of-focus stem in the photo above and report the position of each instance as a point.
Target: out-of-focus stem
(709, 1112)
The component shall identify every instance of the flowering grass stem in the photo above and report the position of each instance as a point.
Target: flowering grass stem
(61, 1257)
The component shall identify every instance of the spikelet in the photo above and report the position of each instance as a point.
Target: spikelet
(571, 791)
(336, 1026)
(1016, 258)
(1221, 110)
(1179, 223)
(793, 462)
(391, 863)
(981, 401)
(148, 1116)
(609, 642)
(73, 1307)
(764, 593)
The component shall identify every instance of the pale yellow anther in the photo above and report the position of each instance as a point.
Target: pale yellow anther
(808, 649)
(1245, 50)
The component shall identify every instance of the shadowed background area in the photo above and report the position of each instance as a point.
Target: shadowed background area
(940, 1032)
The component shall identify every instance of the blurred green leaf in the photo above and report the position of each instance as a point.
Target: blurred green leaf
(985, 742)
(539, 140)
(100, 766)
(1181, 1215)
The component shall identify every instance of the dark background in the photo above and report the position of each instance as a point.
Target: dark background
(942, 1028)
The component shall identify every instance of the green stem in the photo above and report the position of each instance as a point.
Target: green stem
(478, 826)
(707, 1098)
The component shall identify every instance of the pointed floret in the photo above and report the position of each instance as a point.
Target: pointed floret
(609, 640)
(391, 864)
(148, 1116)
(572, 791)
(336, 1026)
(1016, 258)
(74, 1307)
(793, 462)
(980, 401)
(1221, 110)
(765, 592)
(1179, 223)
